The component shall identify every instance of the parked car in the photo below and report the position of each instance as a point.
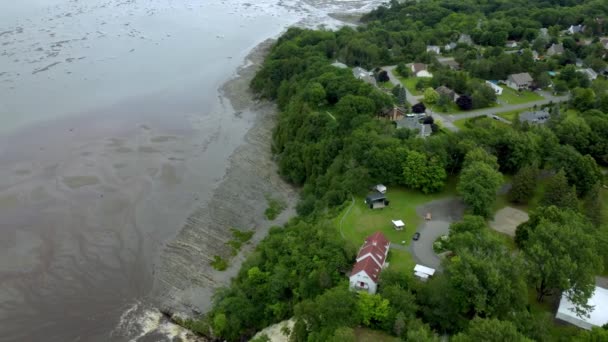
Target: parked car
(416, 236)
(495, 117)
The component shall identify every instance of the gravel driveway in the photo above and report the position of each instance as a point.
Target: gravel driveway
(444, 212)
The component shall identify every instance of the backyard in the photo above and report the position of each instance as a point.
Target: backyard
(510, 97)
(358, 221)
(410, 84)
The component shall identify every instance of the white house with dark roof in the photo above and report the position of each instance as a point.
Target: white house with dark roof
(371, 259)
(519, 81)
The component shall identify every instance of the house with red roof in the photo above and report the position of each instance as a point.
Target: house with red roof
(370, 262)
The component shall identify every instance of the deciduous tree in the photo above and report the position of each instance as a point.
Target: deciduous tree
(478, 185)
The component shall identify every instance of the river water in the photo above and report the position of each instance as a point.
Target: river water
(112, 132)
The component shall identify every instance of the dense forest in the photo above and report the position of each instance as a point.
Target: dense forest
(332, 141)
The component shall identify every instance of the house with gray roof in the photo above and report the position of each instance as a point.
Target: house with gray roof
(465, 39)
(519, 81)
(412, 122)
(364, 75)
(590, 73)
(447, 92)
(576, 29)
(555, 49)
(538, 117)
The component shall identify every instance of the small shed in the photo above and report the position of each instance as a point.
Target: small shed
(376, 200)
(423, 272)
(398, 224)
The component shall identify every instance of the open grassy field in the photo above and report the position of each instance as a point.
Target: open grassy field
(359, 221)
(511, 116)
(410, 84)
(510, 96)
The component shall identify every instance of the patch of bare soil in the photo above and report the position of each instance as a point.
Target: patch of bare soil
(507, 219)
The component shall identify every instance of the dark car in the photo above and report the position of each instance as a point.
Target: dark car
(416, 236)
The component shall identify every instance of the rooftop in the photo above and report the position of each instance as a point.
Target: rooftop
(598, 316)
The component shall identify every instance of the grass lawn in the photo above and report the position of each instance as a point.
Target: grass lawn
(400, 261)
(368, 335)
(511, 116)
(460, 124)
(452, 108)
(386, 85)
(510, 96)
(361, 221)
(410, 84)
(480, 120)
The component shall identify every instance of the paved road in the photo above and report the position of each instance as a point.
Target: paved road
(395, 81)
(447, 119)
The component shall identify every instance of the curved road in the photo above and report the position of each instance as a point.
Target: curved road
(447, 119)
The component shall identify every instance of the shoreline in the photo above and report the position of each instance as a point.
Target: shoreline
(184, 278)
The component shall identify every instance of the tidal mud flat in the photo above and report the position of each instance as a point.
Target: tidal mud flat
(184, 278)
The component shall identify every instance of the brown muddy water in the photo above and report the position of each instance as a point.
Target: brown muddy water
(125, 158)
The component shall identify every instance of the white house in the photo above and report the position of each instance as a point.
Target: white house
(450, 46)
(497, 89)
(433, 48)
(511, 44)
(423, 272)
(370, 262)
(519, 81)
(420, 70)
(596, 318)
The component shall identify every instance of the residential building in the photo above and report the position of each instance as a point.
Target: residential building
(445, 91)
(590, 73)
(376, 200)
(412, 122)
(450, 63)
(604, 43)
(511, 44)
(519, 81)
(465, 39)
(576, 29)
(420, 70)
(366, 76)
(555, 49)
(450, 46)
(497, 89)
(371, 259)
(433, 48)
(535, 56)
(544, 32)
(597, 317)
(535, 117)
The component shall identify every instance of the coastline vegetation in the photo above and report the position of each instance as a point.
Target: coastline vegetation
(486, 292)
